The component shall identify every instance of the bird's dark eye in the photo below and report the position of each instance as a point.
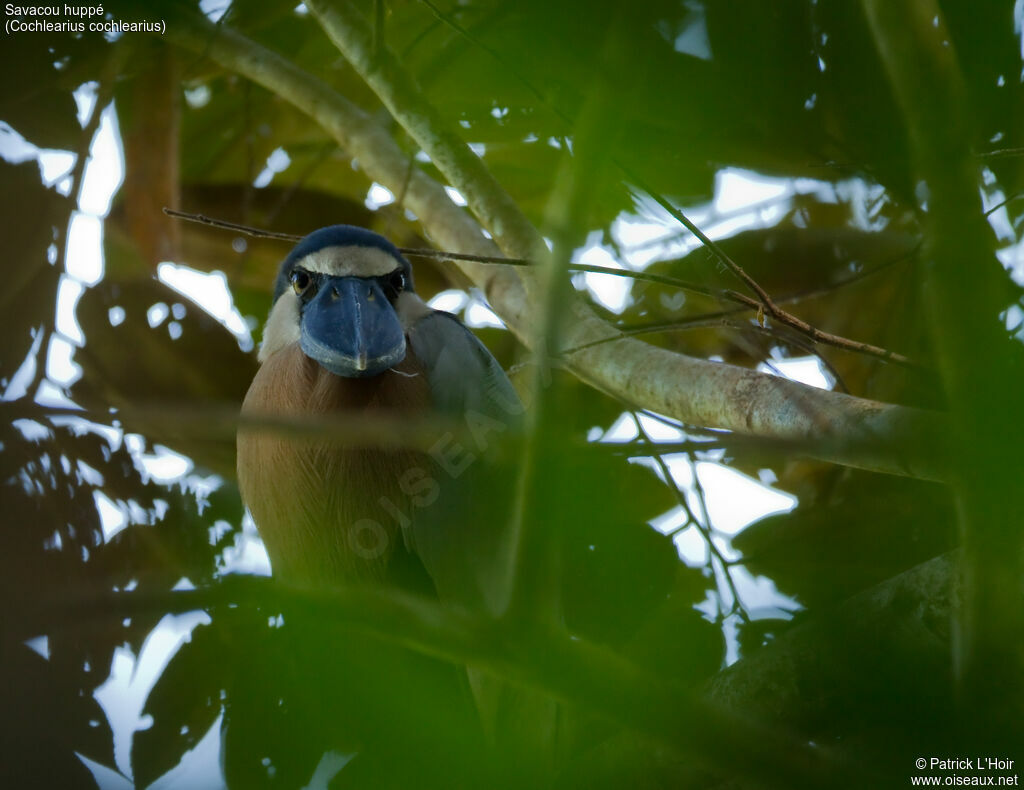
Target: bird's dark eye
(300, 281)
(395, 283)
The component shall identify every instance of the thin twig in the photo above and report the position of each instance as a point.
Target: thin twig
(716, 250)
(1001, 153)
(999, 205)
(248, 230)
(420, 252)
(765, 299)
(717, 293)
(324, 152)
(767, 303)
(704, 528)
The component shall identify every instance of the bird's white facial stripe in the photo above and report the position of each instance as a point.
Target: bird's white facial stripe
(349, 261)
(282, 327)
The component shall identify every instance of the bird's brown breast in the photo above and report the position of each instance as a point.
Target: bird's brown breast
(326, 507)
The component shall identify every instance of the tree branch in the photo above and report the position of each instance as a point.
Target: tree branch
(845, 429)
(805, 674)
(963, 290)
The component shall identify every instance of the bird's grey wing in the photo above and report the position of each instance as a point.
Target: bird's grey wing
(462, 538)
(463, 375)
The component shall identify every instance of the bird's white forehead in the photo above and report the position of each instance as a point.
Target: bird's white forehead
(349, 261)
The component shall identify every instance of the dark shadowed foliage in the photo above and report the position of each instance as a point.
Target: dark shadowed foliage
(684, 627)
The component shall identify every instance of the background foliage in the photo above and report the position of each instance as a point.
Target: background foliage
(685, 92)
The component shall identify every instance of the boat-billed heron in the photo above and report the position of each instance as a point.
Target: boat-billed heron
(347, 334)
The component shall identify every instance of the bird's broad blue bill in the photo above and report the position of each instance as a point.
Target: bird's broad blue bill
(351, 329)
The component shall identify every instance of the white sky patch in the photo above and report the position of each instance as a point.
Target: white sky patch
(1013, 317)
(198, 95)
(17, 387)
(763, 217)
(156, 314)
(14, 148)
(106, 778)
(214, 9)
(645, 241)
(1012, 258)
(56, 169)
(104, 171)
(113, 516)
(85, 101)
(631, 230)
(456, 196)
(740, 189)
(999, 219)
(84, 253)
(734, 500)
(690, 543)
(608, 290)
(54, 165)
(478, 314)
(806, 370)
(1018, 25)
(123, 695)
(69, 291)
(450, 301)
(771, 602)
(690, 36)
(32, 430)
(163, 465)
(200, 766)
(210, 291)
(743, 200)
(330, 764)
(40, 644)
(61, 367)
(659, 430)
(622, 430)
(277, 162)
(81, 427)
(377, 196)
(49, 394)
(248, 554)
